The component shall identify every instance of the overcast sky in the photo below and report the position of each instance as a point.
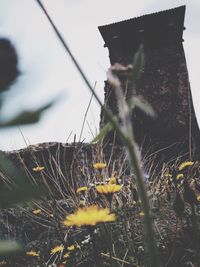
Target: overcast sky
(46, 70)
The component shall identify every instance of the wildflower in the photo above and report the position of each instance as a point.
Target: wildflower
(32, 253)
(185, 164)
(82, 189)
(179, 176)
(66, 255)
(57, 249)
(99, 165)
(112, 180)
(168, 175)
(89, 216)
(73, 247)
(198, 198)
(108, 188)
(37, 211)
(38, 169)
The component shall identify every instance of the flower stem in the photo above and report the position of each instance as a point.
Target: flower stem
(148, 225)
(130, 146)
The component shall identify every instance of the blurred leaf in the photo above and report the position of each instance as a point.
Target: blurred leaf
(138, 64)
(105, 130)
(8, 247)
(26, 117)
(21, 190)
(8, 64)
(21, 194)
(143, 105)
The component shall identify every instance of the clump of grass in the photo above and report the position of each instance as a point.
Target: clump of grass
(58, 234)
(109, 231)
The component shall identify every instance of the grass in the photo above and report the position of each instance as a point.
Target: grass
(118, 243)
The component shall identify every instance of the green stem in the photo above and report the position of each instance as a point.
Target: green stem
(148, 225)
(131, 148)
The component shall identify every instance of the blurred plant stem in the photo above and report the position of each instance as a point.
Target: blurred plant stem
(126, 135)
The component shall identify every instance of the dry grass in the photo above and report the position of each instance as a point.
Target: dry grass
(119, 243)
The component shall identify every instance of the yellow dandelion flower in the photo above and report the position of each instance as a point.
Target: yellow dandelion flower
(66, 255)
(112, 180)
(167, 175)
(57, 249)
(99, 165)
(198, 198)
(32, 253)
(185, 164)
(89, 216)
(141, 213)
(73, 247)
(38, 169)
(179, 176)
(108, 189)
(37, 211)
(82, 189)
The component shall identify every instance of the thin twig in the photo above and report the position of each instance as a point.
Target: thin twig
(23, 136)
(86, 112)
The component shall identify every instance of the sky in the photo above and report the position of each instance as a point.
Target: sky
(47, 71)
